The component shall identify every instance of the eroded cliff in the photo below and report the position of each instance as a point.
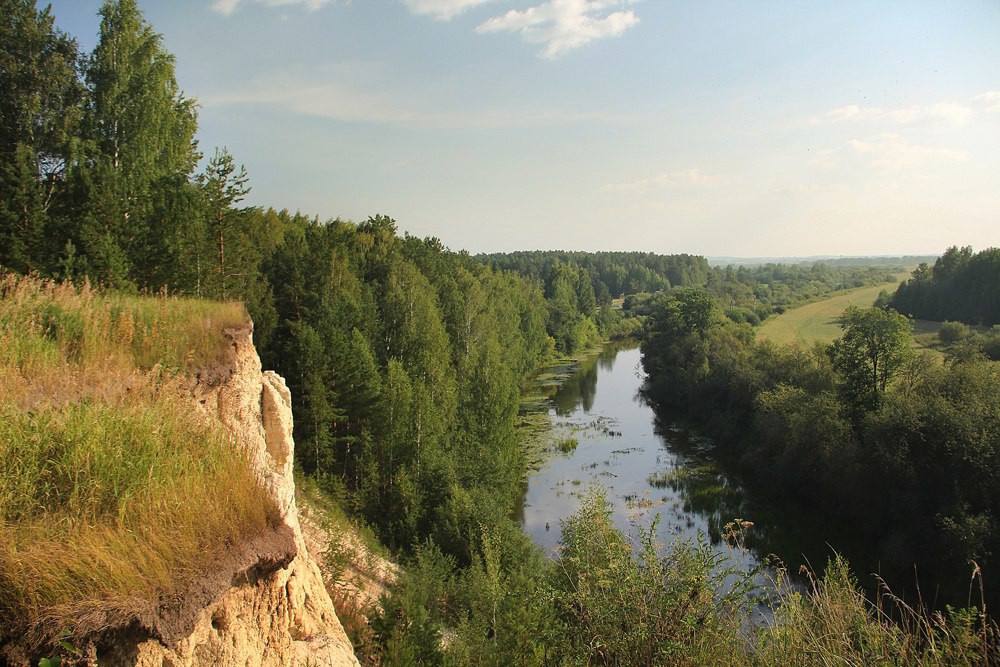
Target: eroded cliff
(275, 611)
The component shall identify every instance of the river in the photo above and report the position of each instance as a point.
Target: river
(649, 469)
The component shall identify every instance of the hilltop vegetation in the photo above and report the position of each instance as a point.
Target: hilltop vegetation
(114, 491)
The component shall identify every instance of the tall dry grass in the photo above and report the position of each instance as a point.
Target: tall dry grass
(114, 492)
(835, 623)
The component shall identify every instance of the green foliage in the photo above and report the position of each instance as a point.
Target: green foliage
(962, 286)
(874, 346)
(952, 332)
(753, 293)
(600, 603)
(610, 273)
(39, 117)
(836, 426)
(567, 445)
(405, 362)
(139, 136)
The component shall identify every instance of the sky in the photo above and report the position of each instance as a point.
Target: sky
(729, 128)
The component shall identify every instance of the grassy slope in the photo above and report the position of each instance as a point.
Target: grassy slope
(818, 321)
(114, 491)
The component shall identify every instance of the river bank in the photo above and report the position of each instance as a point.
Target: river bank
(594, 429)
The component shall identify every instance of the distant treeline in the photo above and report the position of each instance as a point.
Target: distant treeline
(612, 274)
(961, 286)
(754, 293)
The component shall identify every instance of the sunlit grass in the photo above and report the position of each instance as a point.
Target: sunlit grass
(51, 328)
(820, 320)
(114, 491)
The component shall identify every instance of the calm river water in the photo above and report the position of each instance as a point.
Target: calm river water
(650, 469)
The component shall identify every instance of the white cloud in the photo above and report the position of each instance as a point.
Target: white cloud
(666, 180)
(989, 100)
(563, 25)
(951, 113)
(442, 10)
(893, 152)
(948, 112)
(227, 7)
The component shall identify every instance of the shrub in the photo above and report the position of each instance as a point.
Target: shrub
(952, 332)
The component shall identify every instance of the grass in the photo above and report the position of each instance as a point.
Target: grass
(82, 335)
(114, 492)
(819, 321)
(567, 445)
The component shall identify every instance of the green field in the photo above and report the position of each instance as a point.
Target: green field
(819, 321)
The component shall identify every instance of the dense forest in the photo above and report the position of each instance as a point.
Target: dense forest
(962, 286)
(406, 363)
(612, 274)
(904, 446)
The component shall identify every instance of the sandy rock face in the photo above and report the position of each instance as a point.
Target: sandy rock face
(280, 616)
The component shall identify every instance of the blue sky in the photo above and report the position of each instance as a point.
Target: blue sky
(722, 128)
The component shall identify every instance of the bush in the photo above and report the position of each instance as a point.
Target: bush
(952, 332)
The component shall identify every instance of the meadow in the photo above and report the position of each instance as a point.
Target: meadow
(820, 321)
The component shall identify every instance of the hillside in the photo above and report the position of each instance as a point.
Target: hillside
(819, 320)
(149, 514)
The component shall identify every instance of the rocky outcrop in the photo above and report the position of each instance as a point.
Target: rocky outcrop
(278, 613)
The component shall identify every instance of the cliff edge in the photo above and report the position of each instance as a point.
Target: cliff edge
(273, 612)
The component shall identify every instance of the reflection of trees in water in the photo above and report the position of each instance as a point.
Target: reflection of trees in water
(797, 535)
(578, 390)
(786, 531)
(606, 359)
(581, 388)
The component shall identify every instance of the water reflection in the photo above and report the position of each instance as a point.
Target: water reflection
(622, 449)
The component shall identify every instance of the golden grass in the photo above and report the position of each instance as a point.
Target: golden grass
(114, 492)
(51, 328)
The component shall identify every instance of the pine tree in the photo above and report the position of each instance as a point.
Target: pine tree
(224, 186)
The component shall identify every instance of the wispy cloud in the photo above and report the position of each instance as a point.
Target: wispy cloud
(346, 101)
(227, 7)
(666, 180)
(893, 152)
(442, 10)
(563, 25)
(951, 113)
(990, 100)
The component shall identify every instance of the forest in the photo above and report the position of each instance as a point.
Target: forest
(407, 360)
(961, 286)
(903, 445)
